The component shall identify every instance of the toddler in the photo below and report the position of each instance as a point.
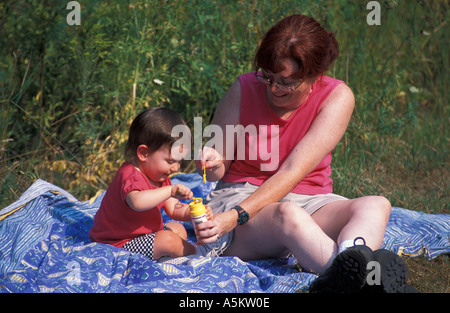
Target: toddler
(129, 216)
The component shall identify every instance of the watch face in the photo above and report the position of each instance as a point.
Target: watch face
(243, 218)
(243, 215)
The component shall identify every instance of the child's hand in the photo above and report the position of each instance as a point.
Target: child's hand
(181, 192)
(209, 213)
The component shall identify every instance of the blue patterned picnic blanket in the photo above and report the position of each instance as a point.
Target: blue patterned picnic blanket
(45, 247)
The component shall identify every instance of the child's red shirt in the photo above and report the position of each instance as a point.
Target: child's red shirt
(116, 223)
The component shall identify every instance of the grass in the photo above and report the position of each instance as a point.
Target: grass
(68, 94)
(430, 276)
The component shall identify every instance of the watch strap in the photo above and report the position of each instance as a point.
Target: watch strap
(243, 215)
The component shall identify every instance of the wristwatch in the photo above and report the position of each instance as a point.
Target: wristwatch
(243, 215)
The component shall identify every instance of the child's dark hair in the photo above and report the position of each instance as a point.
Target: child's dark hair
(152, 128)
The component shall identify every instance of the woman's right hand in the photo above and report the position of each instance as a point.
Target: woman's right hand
(208, 158)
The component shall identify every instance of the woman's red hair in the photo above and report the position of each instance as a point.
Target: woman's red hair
(302, 39)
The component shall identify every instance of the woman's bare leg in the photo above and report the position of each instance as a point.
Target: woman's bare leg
(281, 228)
(365, 217)
(284, 227)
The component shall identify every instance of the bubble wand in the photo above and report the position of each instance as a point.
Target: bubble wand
(204, 174)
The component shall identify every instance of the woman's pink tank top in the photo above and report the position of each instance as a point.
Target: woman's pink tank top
(269, 139)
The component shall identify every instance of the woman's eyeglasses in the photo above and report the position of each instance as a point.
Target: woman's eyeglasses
(285, 87)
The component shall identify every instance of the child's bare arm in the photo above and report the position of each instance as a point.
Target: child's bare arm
(176, 210)
(148, 199)
(181, 211)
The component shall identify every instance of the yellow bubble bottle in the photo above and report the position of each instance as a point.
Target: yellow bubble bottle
(197, 211)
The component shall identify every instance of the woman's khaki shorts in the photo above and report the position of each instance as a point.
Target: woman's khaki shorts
(227, 195)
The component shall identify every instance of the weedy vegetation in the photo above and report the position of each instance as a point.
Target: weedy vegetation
(69, 93)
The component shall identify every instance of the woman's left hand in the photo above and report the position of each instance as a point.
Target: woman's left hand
(210, 231)
(207, 232)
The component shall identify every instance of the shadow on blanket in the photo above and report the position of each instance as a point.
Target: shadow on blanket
(45, 247)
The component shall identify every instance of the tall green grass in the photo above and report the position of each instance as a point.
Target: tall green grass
(69, 93)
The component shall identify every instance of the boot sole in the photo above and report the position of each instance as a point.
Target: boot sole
(348, 272)
(394, 272)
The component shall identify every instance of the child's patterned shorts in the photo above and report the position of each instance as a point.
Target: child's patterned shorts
(142, 244)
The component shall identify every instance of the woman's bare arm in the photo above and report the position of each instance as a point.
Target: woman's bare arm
(325, 132)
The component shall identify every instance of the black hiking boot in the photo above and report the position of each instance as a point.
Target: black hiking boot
(394, 274)
(347, 273)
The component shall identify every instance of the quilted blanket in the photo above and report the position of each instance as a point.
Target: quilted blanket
(45, 247)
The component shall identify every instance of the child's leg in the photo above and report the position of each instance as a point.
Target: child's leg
(178, 229)
(168, 243)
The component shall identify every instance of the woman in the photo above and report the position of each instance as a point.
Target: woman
(291, 208)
